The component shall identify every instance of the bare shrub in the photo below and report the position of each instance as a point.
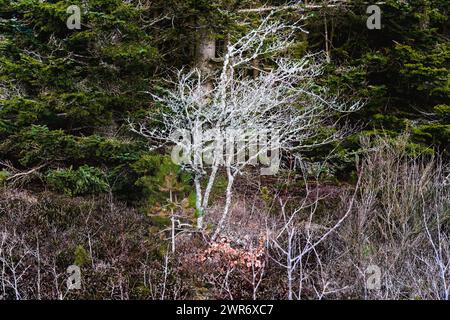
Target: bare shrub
(401, 223)
(310, 240)
(118, 257)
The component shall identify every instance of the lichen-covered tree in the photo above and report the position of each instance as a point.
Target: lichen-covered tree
(283, 102)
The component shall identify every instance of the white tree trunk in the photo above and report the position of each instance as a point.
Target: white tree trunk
(226, 209)
(212, 178)
(198, 201)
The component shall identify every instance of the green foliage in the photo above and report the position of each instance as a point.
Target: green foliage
(266, 196)
(443, 110)
(3, 176)
(82, 257)
(219, 187)
(424, 71)
(38, 144)
(82, 181)
(65, 95)
(401, 71)
(159, 176)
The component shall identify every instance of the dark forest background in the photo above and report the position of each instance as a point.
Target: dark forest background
(78, 187)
